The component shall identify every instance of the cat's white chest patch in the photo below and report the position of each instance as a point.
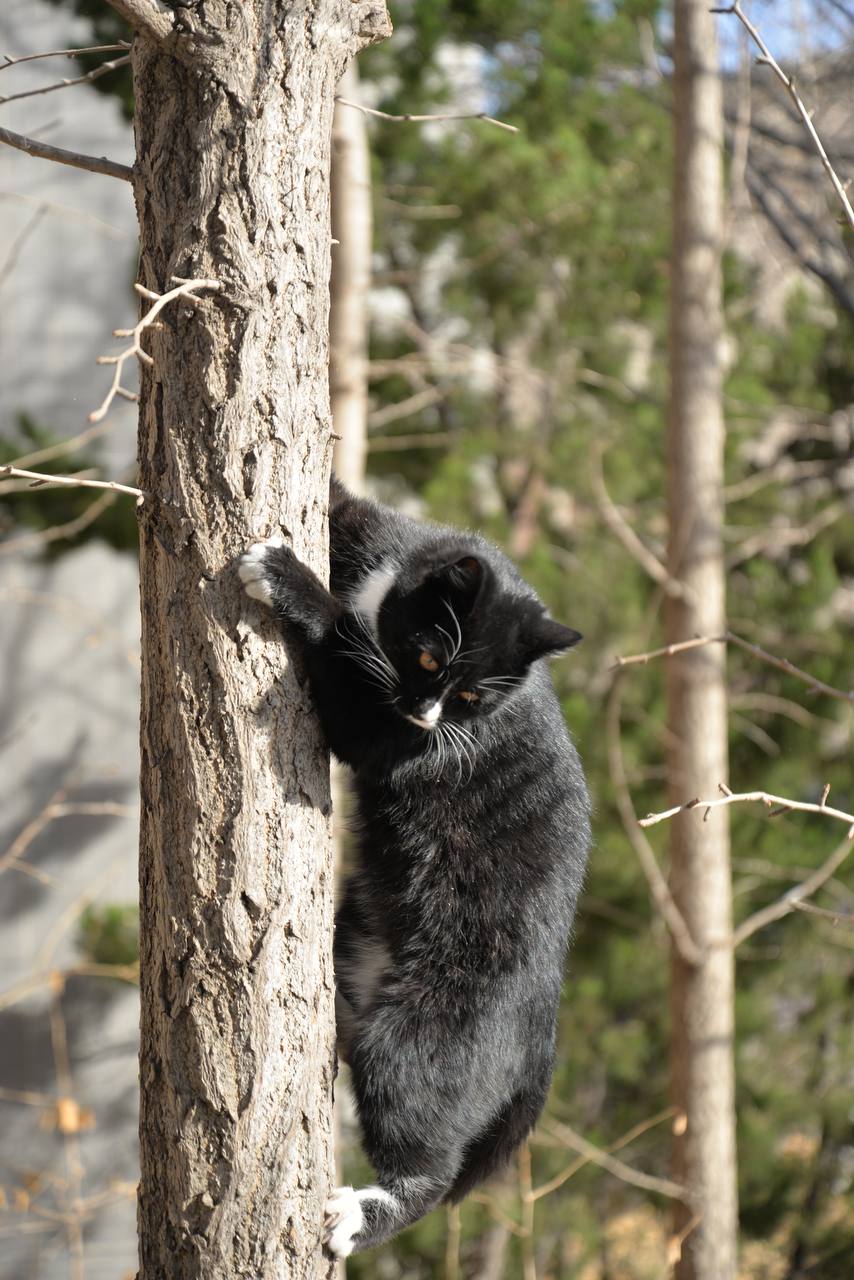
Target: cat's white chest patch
(371, 592)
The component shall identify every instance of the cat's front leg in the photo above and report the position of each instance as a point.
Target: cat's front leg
(272, 574)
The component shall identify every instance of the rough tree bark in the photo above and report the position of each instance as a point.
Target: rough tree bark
(702, 994)
(233, 122)
(352, 227)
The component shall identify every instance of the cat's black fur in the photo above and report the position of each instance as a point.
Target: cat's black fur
(472, 841)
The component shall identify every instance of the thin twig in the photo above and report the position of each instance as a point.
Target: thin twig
(767, 59)
(795, 897)
(663, 899)
(41, 478)
(183, 289)
(43, 151)
(414, 119)
(418, 440)
(647, 1181)
(845, 918)
(526, 1193)
(777, 805)
(405, 408)
(95, 74)
(546, 1188)
(783, 664)
(626, 535)
(35, 981)
(9, 61)
(57, 532)
(18, 243)
(62, 446)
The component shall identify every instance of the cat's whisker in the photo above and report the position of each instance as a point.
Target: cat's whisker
(478, 648)
(453, 749)
(371, 643)
(465, 744)
(448, 653)
(456, 622)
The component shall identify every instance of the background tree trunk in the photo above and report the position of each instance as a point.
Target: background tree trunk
(702, 999)
(235, 859)
(352, 227)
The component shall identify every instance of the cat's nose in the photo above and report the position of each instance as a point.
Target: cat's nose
(426, 712)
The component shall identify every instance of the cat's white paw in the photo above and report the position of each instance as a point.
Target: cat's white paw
(345, 1217)
(252, 573)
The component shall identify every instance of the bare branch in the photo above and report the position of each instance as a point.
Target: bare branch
(768, 59)
(777, 539)
(777, 805)
(58, 532)
(405, 408)
(413, 119)
(676, 923)
(61, 446)
(183, 289)
(9, 61)
(664, 1186)
(40, 478)
(626, 535)
(845, 918)
(18, 243)
(797, 246)
(636, 1130)
(794, 898)
(43, 151)
(783, 664)
(95, 74)
(418, 440)
(148, 17)
(48, 978)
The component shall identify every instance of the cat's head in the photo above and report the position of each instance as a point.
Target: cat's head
(459, 639)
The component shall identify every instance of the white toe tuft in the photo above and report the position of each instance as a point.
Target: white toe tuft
(252, 572)
(344, 1216)
(344, 1220)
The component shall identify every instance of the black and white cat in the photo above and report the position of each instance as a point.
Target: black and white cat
(424, 661)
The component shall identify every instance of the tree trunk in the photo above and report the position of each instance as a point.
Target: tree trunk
(702, 995)
(352, 227)
(236, 1058)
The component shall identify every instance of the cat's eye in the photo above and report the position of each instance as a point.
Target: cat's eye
(427, 661)
(468, 695)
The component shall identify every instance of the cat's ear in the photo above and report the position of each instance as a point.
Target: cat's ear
(463, 579)
(547, 636)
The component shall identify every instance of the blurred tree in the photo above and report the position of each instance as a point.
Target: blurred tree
(702, 996)
(350, 283)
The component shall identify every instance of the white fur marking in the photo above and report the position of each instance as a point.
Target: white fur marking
(430, 718)
(369, 595)
(344, 1216)
(252, 572)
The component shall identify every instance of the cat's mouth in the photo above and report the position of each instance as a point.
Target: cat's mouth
(428, 718)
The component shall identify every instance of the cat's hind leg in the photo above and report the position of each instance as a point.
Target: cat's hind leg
(357, 1220)
(490, 1152)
